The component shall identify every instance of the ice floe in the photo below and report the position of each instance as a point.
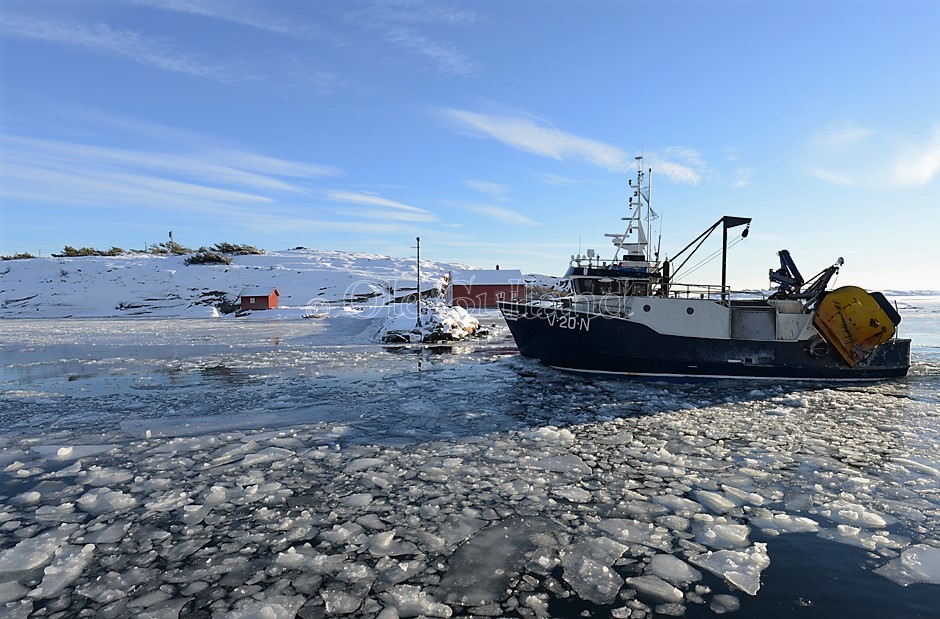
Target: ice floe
(327, 483)
(741, 568)
(919, 563)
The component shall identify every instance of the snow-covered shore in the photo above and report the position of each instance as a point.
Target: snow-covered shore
(310, 282)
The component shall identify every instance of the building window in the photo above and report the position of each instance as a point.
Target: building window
(251, 300)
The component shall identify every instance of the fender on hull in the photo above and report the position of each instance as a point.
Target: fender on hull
(855, 322)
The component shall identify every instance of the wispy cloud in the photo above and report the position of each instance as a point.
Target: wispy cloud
(681, 164)
(918, 163)
(854, 155)
(102, 39)
(555, 179)
(419, 12)
(397, 22)
(540, 139)
(500, 214)
(244, 160)
(496, 191)
(742, 178)
(235, 12)
(57, 172)
(445, 57)
(525, 134)
(379, 207)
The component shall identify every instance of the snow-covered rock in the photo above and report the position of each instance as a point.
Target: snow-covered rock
(436, 322)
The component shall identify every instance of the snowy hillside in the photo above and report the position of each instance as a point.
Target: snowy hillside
(309, 281)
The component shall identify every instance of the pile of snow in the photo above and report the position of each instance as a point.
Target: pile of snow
(436, 322)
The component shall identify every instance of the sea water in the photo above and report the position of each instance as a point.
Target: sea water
(251, 468)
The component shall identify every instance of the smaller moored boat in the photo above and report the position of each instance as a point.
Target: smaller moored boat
(631, 315)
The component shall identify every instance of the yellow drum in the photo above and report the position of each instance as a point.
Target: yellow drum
(855, 322)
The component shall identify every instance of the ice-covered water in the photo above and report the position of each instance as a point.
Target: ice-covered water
(231, 468)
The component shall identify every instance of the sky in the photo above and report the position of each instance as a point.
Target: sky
(498, 131)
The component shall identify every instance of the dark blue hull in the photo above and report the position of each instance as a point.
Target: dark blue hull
(571, 340)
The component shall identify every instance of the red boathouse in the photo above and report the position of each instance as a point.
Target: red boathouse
(483, 289)
(259, 298)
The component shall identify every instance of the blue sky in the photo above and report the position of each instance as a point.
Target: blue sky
(497, 131)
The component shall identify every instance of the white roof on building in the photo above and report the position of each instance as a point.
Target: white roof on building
(257, 292)
(484, 277)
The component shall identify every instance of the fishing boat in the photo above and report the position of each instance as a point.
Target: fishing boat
(632, 315)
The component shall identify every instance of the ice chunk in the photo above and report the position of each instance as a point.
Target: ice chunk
(11, 591)
(411, 601)
(673, 569)
(538, 604)
(741, 568)
(168, 501)
(70, 452)
(843, 512)
(232, 452)
(362, 464)
(307, 559)
(35, 551)
(481, 569)
(63, 512)
(269, 454)
(655, 589)
(337, 602)
(573, 494)
(919, 563)
(742, 497)
(110, 534)
(194, 514)
(459, 527)
(150, 598)
(567, 463)
(274, 607)
(216, 495)
(67, 565)
(718, 533)
(360, 499)
(340, 533)
(391, 571)
(30, 497)
(588, 568)
(863, 538)
(637, 532)
(782, 523)
(108, 587)
(723, 603)
(104, 476)
(104, 500)
(551, 434)
(918, 468)
(384, 544)
(715, 501)
(673, 609)
(677, 504)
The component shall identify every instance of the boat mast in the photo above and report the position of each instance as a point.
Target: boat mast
(418, 300)
(635, 220)
(641, 242)
(649, 215)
